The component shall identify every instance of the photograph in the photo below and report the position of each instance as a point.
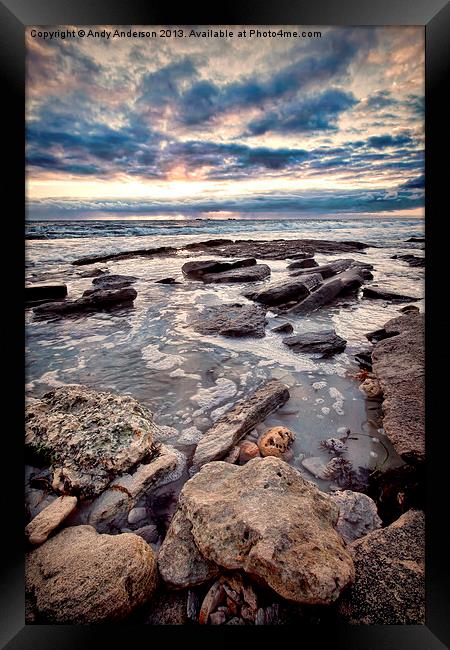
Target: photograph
(224, 325)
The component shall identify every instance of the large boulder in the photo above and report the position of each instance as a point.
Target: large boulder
(197, 270)
(398, 361)
(81, 577)
(325, 342)
(348, 282)
(232, 320)
(240, 420)
(389, 588)
(95, 300)
(88, 437)
(265, 519)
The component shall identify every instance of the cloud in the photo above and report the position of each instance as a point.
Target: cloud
(311, 113)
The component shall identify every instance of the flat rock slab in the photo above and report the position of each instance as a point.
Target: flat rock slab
(197, 270)
(255, 273)
(398, 362)
(234, 320)
(307, 263)
(279, 249)
(93, 300)
(380, 294)
(81, 577)
(264, 519)
(88, 437)
(113, 281)
(358, 514)
(239, 421)
(37, 293)
(389, 588)
(412, 260)
(49, 519)
(325, 270)
(280, 293)
(326, 342)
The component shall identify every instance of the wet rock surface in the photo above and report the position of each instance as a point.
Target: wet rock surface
(284, 328)
(81, 577)
(265, 519)
(376, 293)
(39, 293)
(198, 270)
(347, 282)
(281, 293)
(390, 585)
(399, 365)
(255, 273)
(325, 342)
(239, 421)
(412, 260)
(306, 263)
(232, 320)
(95, 300)
(110, 281)
(88, 437)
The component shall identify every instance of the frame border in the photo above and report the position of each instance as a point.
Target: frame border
(15, 15)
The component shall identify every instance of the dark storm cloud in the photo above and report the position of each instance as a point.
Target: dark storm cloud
(314, 113)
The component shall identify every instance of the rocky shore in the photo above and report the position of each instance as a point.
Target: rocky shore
(123, 525)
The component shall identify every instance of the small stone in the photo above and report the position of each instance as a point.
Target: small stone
(248, 450)
(371, 387)
(136, 515)
(316, 466)
(275, 442)
(285, 328)
(358, 514)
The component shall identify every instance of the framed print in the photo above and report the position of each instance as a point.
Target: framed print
(225, 369)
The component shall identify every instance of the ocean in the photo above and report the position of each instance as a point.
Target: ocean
(188, 380)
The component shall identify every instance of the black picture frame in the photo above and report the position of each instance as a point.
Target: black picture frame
(15, 15)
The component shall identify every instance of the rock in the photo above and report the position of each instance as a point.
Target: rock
(94, 273)
(415, 239)
(285, 328)
(214, 597)
(255, 273)
(197, 270)
(408, 308)
(113, 281)
(193, 605)
(358, 514)
(233, 426)
(307, 263)
(232, 320)
(88, 437)
(248, 450)
(281, 293)
(371, 387)
(115, 503)
(316, 466)
(325, 342)
(49, 519)
(265, 519)
(379, 335)
(233, 455)
(412, 260)
(168, 608)
(390, 587)
(95, 301)
(136, 515)
(364, 359)
(326, 270)
(180, 563)
(218, 618)
(167, 281)
(380, 294)
(275, 442)
(37, 293)
(399, 366)
(334, 445)
(148, 533)
(347, 282)
(235, 621)
(81, 577)
(273, 249)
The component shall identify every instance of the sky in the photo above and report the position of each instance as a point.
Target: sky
(226, 127)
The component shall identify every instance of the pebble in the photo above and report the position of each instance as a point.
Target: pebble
(136, 515)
